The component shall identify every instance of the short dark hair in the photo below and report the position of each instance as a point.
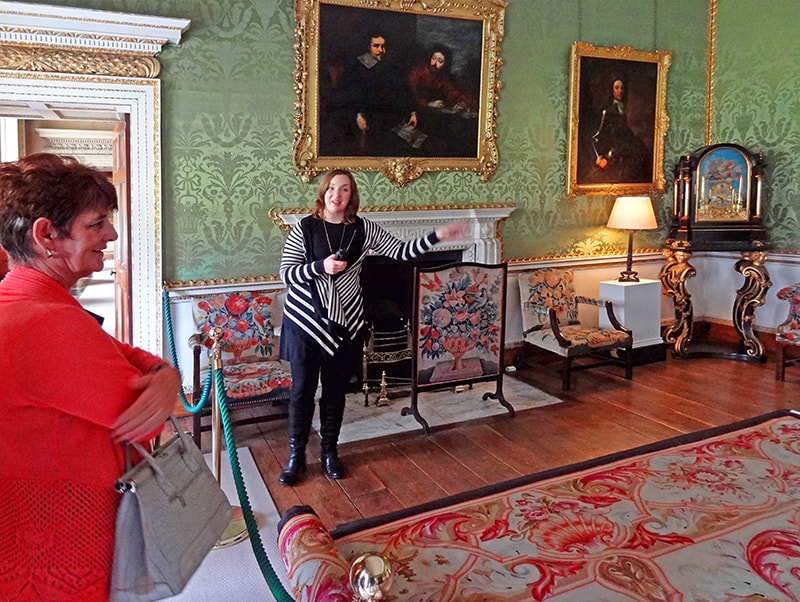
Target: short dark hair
(51, 186)
(371, 36)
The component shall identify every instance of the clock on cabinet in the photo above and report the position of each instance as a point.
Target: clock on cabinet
(717, 199)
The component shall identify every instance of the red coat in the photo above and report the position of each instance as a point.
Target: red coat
(428, 86)
(3, 263)
(64, 381)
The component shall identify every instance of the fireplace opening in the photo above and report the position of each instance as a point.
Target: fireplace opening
(388, 287)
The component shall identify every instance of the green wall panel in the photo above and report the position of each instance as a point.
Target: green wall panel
(757, 102)
(228, 117)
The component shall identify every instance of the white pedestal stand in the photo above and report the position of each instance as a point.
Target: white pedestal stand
(638, 306)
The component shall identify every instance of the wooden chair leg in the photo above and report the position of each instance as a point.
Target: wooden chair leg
(628, 363)
(780, 367)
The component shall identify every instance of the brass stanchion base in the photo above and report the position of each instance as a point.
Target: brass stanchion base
(235, 532)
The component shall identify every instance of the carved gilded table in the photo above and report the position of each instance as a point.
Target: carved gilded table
(674, 275)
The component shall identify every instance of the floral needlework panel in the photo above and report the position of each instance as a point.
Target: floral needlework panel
(249, 344)
(460, 322)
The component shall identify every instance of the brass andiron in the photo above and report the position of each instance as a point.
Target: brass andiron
(365, 389)
(370, 577)
(383, 399)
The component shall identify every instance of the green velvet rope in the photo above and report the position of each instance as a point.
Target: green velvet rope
(192, 409)
(273, 582)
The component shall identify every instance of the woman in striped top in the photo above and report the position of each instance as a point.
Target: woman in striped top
(323, 313)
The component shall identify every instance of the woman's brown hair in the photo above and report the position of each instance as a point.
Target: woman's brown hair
(50, 186)
(355, 201)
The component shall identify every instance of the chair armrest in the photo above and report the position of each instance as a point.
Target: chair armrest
(609, 311)
(556, 327)
(590, 301)
(536, 308)
(539, 310)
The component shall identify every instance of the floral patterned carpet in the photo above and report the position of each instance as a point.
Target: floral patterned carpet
(711, 516)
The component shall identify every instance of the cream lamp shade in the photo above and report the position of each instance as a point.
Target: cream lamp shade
(632, 213)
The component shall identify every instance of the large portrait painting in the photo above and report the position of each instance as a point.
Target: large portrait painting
(617, 121)
(398, 87)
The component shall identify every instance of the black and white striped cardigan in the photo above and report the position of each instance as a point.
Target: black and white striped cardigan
(317, 302)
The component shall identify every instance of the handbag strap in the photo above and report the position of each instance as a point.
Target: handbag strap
(150, 459)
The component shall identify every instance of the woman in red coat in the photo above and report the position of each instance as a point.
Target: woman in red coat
(71, 393)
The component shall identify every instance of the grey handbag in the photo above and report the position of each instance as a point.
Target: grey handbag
(171, 514)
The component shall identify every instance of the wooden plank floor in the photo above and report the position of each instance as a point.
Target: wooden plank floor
(602, 414)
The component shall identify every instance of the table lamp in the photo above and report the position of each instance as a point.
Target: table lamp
(632, 213)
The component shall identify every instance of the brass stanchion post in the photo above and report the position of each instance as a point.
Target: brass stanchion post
(237, 528)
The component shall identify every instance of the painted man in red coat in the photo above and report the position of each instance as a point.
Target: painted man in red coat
(434, 86)
(444, 110)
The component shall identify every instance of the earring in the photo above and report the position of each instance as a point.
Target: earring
(49, 252)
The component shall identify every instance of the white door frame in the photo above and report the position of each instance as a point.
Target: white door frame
(117, 41)
(139, 98)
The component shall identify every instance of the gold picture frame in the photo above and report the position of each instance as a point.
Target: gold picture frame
(617, 120)
(344, 121)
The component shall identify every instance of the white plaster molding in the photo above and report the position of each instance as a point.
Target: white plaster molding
(90, 147)
(140, 99)
(481, 245)
(40, 24)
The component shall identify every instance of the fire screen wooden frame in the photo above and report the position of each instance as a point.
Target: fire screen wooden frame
(458, 329)
(332, 34)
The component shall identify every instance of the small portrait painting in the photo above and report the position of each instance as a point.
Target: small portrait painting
(618, 121)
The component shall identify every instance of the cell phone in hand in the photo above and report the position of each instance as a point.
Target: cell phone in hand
(341, 255)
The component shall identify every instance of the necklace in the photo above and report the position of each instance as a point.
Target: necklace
(328, 238)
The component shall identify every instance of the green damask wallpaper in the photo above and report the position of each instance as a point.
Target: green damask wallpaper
(228, 111)
(757, 102)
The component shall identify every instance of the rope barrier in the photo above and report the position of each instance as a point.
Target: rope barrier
(273, 582)
(192, 409)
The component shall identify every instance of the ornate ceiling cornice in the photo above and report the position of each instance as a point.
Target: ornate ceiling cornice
(52, 39)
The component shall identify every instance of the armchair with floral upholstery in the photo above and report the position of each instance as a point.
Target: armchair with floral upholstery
(787, 334)
(252, 373)
(550, 320)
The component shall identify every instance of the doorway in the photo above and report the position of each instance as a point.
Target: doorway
(86, 60)
(139, 100)
(90, 140)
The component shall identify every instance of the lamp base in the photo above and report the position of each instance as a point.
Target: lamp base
(628, 276)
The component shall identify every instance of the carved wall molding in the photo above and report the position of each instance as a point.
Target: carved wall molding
(91, 147)
(68, 60)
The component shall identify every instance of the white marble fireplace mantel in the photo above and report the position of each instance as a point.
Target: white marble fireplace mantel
(482, 244)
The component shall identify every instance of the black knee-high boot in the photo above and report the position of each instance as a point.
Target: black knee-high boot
(299, 428)
(331, 415)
